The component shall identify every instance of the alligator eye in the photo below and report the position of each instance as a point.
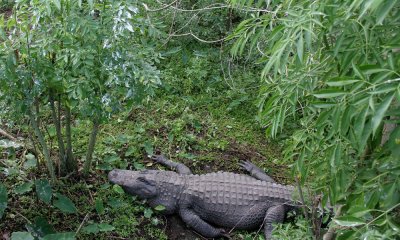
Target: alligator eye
(141, 179)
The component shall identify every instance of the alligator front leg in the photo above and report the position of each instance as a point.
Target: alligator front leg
(255, 171)
(179, 167)
(198, 224)
(275, 214)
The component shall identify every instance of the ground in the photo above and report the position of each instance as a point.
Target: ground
(206, 139)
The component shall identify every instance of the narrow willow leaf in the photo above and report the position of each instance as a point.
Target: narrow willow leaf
(43, 190)
(371, 69)
(64, 204)
(300, 47)
(341, 81)
(380, 112)
(383, 10)
(360, 123)
(22, 236)
(329, 93)
(60, 236)
(349, 221)
(57, 4)
(358, 71)
(3, 199)
(338, 44)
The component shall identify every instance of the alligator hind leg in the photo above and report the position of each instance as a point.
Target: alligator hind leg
(198, 224)
(255, 171)
(179, 167)
(275, 214)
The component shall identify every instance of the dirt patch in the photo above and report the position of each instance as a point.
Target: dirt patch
(176, 230)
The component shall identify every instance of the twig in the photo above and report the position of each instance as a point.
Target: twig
(302, 199)
(7, 135)
(26, 219)
(83, 222)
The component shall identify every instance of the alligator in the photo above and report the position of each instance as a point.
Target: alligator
(223, 199)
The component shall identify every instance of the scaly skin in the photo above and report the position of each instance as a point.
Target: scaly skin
(228, 200)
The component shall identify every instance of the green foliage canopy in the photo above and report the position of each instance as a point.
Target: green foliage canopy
(334, 66)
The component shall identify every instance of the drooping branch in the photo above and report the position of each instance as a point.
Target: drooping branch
(7, 135)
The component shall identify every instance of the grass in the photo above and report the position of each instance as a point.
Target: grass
(205, 130)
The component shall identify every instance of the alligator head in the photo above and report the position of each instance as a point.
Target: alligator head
(137, 183)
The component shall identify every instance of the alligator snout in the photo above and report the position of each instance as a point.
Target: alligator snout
(113, 176)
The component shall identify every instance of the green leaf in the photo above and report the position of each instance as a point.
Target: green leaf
(96, 228)
(300, 47)
(349, 221)
(118, 189)
(329, 93)
(112, 158)
(104, 227)
(160, 208)
(383, 10)
(30, 163)
(341, 81)
(57, 4)
(43, 190)
(64, 204)
(148, 213)
(3, 199)
(60, 236)
(91, 228)
(395, 226)
(99, 206)
(320, 104)
(23, 188)
(148, 147)
(22, 236)
(358, 211)
(380, 113)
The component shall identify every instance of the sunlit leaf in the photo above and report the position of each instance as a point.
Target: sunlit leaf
(148, 212)
(380, 112)
(23, 188)
(383, 10)
(22, 236)
(43, 190)
(64, 204)
(342, 81)
(349, 221)
(329, 93)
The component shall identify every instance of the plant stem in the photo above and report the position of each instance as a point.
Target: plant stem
(43, 143)
(71, 163)
(92, 142)
(57, 124)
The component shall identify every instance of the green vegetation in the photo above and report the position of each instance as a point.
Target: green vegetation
(307, 90)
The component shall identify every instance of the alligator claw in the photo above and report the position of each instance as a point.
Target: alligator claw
(224, 233)
(248, 166)
(158, 158)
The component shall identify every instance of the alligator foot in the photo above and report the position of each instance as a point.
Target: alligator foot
(255, 171)
(179, 167)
